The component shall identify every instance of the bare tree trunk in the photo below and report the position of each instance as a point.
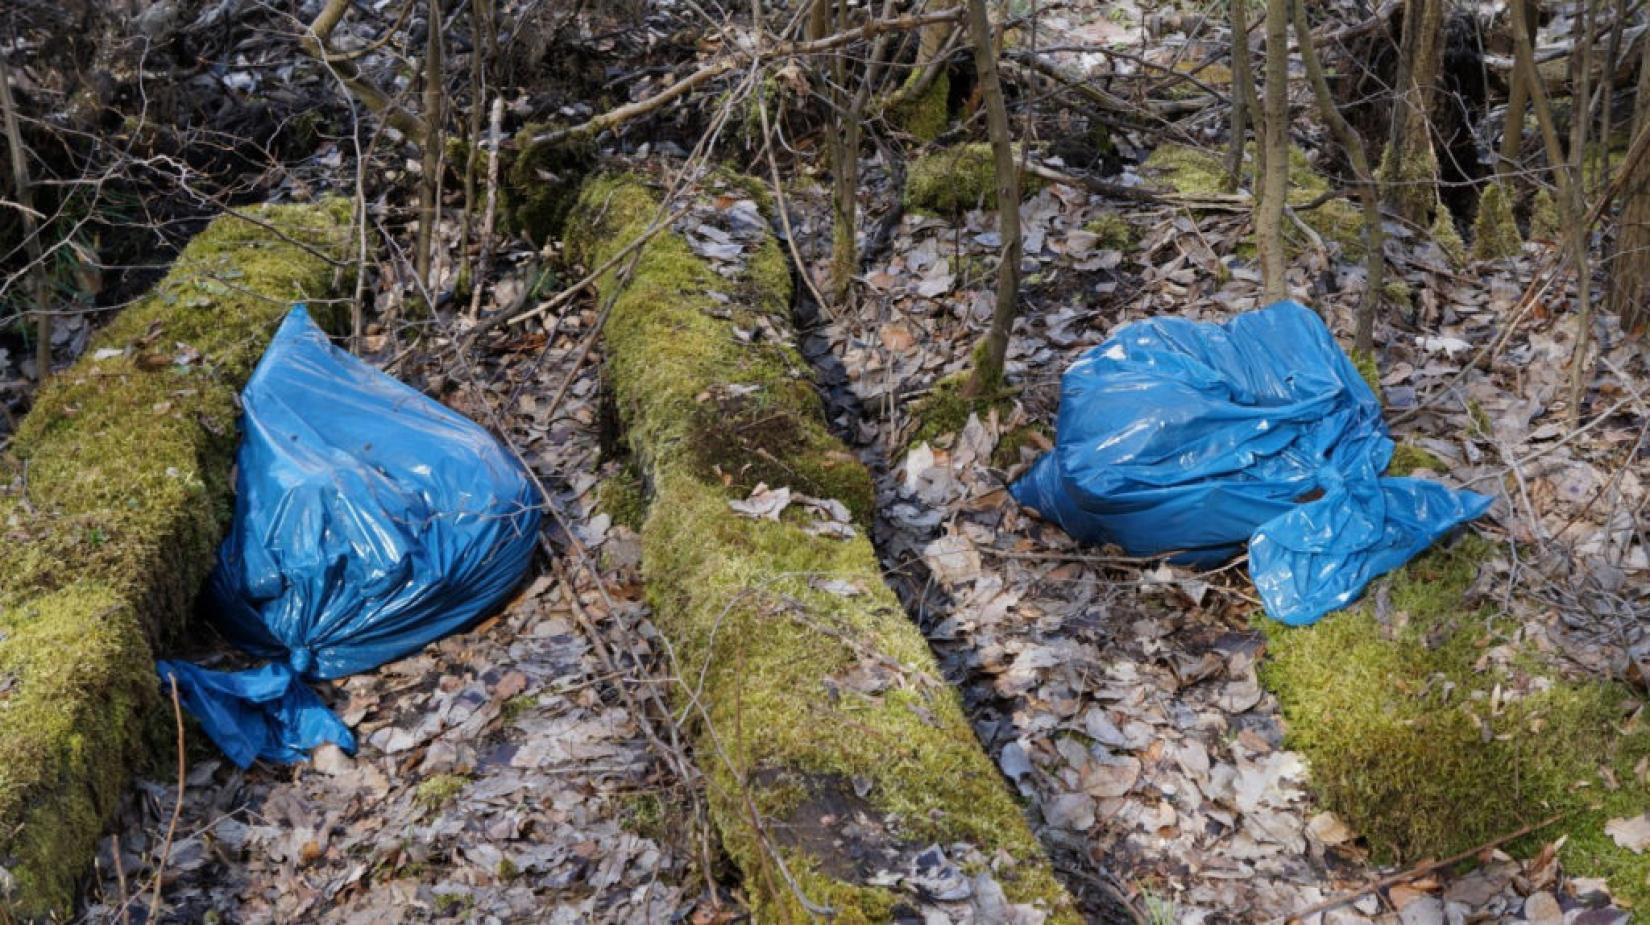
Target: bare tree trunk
(31, 230)
(1629, 295)
(429, 206)
(1512, 131)
(1374, 237)
(1243, 90)
(1275, 184)
(1566, 173)
(987, 378)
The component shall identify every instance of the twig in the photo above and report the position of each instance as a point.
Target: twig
(120, 881)
(486, 255)
(1419, 870)
(177, 806)
(723, 65)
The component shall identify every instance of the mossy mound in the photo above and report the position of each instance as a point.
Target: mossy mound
(953, 180)
(1544, 222)
(1199, 172)
(128, 462)
(819, 701)
(1495, 234)
(542, 181)
(1429, 731)
(926, 115)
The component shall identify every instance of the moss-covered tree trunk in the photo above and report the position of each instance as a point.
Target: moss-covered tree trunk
(832, 744)
(106, 541)
(1410, 170)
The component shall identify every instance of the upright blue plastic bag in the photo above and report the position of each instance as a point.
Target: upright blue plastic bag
(369, 521)
(1194, 438)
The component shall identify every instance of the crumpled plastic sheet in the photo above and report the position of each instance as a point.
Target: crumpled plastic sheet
(1192, 438)
(369, 521)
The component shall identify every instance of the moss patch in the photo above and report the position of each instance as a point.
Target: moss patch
(439, 790)
(1113, 230)
(1369, 370)
(955, 179)
(542, 182)
(623, 497)
(1494, 233)
(1544, 223)
(927, 115)
(128, 487)
(1408, 458)
(1199, 172)
(1430, 732)
(946, 409)
(800, 685)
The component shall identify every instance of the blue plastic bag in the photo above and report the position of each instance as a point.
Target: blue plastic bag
(369, 521)
(1191, 438)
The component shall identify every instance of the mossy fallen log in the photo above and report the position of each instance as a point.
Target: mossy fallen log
(829, 737)
(1432, 723)
(112, 500)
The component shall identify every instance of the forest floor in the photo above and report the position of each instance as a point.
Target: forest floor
(518, 771)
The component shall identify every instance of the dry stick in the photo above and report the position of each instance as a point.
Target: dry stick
(31, 231)
(120, 881)
(1374, 239)
(1243, 82)
(723, 65)
(566, 295)
(1420, 870)
(429, 207)
(314, 41)
(485, 256)
(785, 212)
(177, 806)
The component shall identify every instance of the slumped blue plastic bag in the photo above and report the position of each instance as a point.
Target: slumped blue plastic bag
(1194, 438)
(369, 521)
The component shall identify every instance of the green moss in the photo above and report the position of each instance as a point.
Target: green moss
(779, 661)
(438, 791)
(1395, 293)
(927, 115)
(1426, 747)
(955, 179)
(1199, 172)
(1495, 234)
(1448, 238)
(1008, 448)
(623, 497)
(1410, 181)
(128, 484)
(1215, 75)
(1370, 370)
(1544, 223)
(1408, 458)
(542, 181)
(1113, 230)
(946, 408)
